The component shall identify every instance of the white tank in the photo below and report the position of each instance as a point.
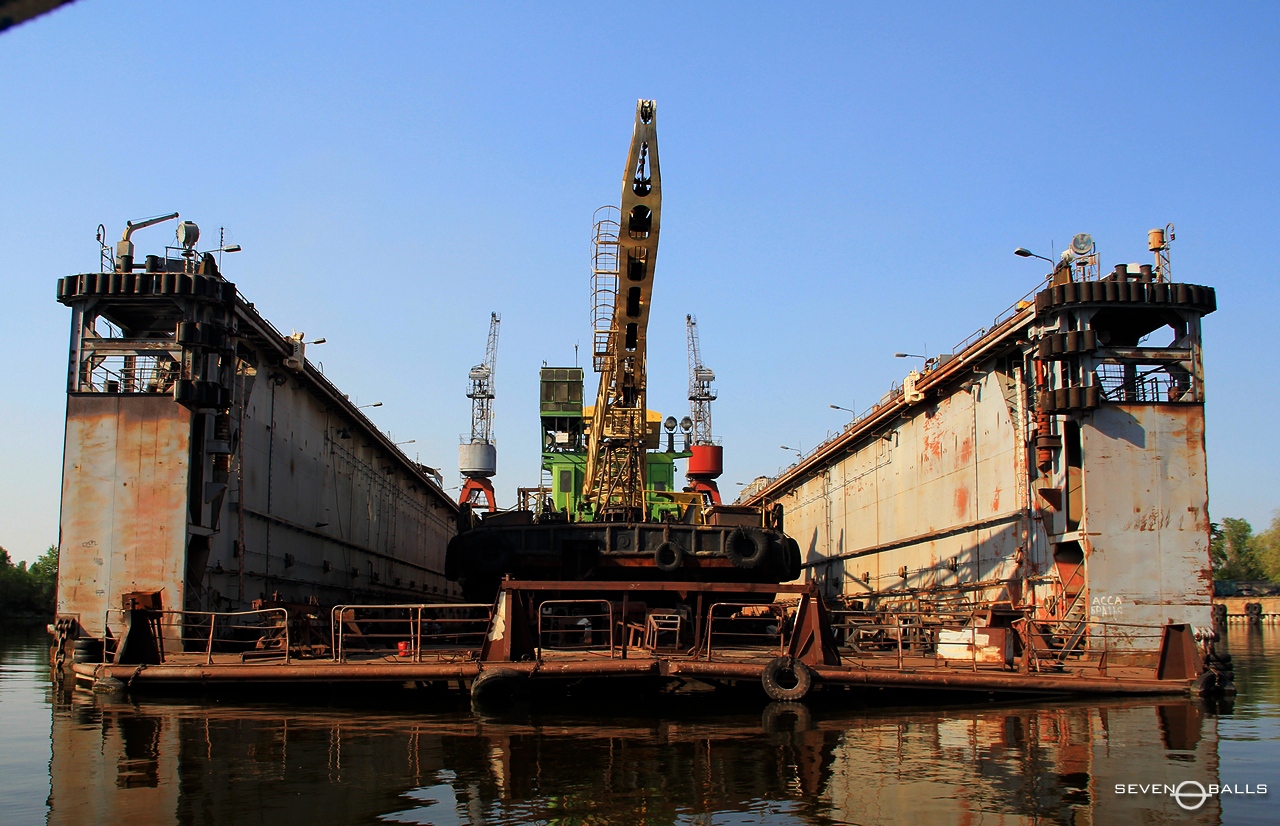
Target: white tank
(478, 459)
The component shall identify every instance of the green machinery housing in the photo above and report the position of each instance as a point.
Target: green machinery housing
(564, 452)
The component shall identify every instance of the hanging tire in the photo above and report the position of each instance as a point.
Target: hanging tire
(794, 560)
(499, 687)
(86, 650)
(668, 557)
(747, 549)
(786, 679)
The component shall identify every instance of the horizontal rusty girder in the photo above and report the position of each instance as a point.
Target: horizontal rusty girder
(680, 586)
(998, 681)
(938, 679)
(300, 672)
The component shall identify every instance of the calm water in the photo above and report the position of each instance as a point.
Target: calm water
(80, 760)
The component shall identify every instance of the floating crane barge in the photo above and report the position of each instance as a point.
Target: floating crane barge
(611, 511)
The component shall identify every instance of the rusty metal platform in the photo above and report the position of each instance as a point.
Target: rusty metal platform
(543, 632)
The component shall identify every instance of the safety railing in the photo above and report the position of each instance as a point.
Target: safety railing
(264, 632)
(414, 631)
(1101, 639)
(917, 634)
(744, 625)
(580, 625)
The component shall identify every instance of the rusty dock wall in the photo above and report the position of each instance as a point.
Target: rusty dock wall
(1054, 464)
(207, 462)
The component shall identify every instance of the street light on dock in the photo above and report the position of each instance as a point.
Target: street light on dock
(1023, 252)
(799, 453)
(845, 409)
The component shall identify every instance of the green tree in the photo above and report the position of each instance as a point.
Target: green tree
(44, 574)
(1268, 547)
(1234, 551)
(28, 591)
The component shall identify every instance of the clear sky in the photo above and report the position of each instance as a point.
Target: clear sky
(840, 182)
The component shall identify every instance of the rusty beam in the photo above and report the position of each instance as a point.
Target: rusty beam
(665, 585)
(298, 672)
(998, 681)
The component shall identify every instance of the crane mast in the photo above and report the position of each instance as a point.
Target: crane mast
(483, 377)
(614, 480)
(700, 393)
(478, 458)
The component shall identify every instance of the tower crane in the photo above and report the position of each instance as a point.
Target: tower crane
(706, 459)
(614, 477)
(478, 457)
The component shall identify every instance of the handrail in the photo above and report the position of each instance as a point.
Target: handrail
(591, 630)
(341, 615)
(210, 637)
(777, 611)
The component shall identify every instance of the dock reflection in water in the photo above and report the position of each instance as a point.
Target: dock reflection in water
(159, 762)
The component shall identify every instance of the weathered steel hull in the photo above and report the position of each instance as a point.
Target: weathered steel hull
(1053, 466)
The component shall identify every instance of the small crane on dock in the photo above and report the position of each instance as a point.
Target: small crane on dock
(478, 457)
(706, 460)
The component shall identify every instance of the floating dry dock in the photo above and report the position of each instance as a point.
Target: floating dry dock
(1026, 514)
(542, 632)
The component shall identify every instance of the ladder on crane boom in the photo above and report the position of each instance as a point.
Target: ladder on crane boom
(614, 483)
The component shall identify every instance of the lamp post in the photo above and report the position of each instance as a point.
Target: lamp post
(799, 453)
(852, 413)
(1023, 252)
(363, 406)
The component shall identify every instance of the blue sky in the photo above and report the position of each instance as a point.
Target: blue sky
(840, 182)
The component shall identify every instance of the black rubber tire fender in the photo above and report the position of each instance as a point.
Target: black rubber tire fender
(747, 549)
(786, 679)
(794, 559)
(669, 557)
(498, 684)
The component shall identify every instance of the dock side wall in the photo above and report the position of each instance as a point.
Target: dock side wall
(937, 493)
(124, 503)
(1146, 514)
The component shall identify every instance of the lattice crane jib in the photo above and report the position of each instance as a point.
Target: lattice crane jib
(614, 485)
(701, 394)
(483, 379)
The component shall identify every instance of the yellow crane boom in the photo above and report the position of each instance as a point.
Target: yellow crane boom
(614, 485)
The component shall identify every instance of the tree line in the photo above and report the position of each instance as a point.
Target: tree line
(28, 591)
(1240, 554)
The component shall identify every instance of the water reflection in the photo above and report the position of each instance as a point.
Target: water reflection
(213, 763)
